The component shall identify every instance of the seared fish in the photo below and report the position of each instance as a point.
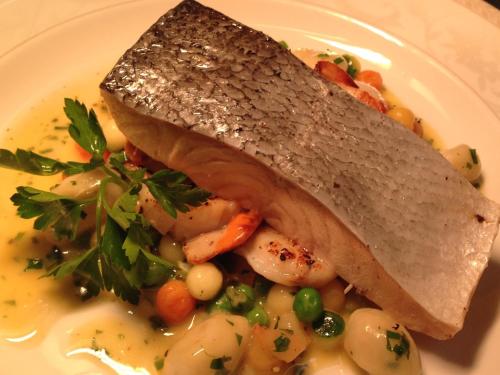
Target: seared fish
(248, 121)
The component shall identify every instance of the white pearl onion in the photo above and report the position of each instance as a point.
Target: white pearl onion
(461, 158)
(204, 281)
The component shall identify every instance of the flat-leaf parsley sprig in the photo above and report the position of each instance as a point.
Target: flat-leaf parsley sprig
(121, 261)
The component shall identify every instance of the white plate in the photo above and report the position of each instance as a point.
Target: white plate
(59, 55)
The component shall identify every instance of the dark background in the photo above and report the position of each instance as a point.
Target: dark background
(495, 3)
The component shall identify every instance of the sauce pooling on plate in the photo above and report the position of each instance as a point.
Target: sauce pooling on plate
(121, 337)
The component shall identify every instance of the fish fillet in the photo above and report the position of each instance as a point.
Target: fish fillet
(246, 120)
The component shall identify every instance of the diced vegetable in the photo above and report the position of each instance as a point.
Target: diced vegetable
(380, 345)
(170, 250)
(333, 297)
(258, 316)
(286, 339)
(259, 358)
(307, 304)
(241, 297)
(371, 77)
(465, 160)
(280, 299)
(204, 281)
(174, 303)
(402, 115)
(214, 347)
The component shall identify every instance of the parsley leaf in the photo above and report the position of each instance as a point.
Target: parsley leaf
(33, 264)
(473, 155)
(60, 213)
(124, 209)
(85, 128)
(218, 365)
(238, 338)
(159, 362)
(351, 68)
(117, 280)
(173, 193)
(30, 162)
(85, 269)
(300, 369)
(281, 344)
(118, 160)
(121, 261)
(397, 343)
(112, 243)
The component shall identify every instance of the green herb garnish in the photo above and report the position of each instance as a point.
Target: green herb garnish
(338, 60)
(323, 56)
(63, 214)
(281, 344)
(351, 69)
(473, 155)
(238, 338)
(300, 369)
(218, 364)
(398, 344)
(121, 261)
(159, 362)
(34, 264)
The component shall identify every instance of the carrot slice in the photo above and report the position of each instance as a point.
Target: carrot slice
(174, 303)
(238, 230)
(86, 156)
(371, 77)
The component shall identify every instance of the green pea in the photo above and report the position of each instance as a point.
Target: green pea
(241, 297)
(156, 274)
(258, 316)
(329, 325)
(221, 303)
(307, 304)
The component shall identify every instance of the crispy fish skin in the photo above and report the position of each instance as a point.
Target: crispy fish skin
(362, 191)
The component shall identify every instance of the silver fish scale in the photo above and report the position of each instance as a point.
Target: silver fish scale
(200, 70)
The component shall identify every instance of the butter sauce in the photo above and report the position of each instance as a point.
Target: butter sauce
(118, 337)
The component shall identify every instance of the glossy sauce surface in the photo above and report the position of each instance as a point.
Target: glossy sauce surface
(30, 304)
(121, 338)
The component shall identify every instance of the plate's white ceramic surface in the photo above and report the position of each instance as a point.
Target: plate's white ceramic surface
(84, 44)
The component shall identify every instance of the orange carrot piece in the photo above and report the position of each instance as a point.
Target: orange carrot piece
(174, 303)
(238, 230)
(86, 156)
(371, 77)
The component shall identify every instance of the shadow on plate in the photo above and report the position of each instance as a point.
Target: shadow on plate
(463, 348)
